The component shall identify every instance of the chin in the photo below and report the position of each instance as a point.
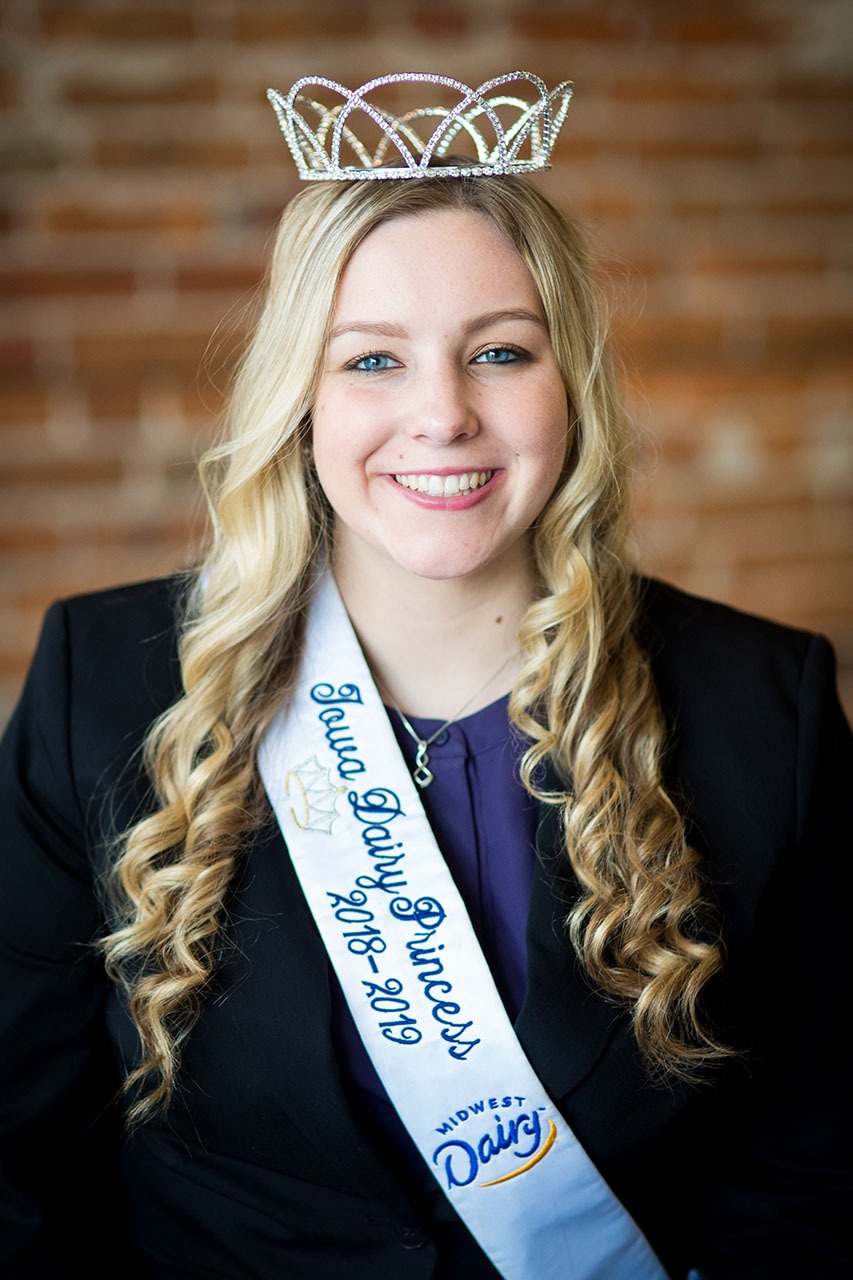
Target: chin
(442, 568)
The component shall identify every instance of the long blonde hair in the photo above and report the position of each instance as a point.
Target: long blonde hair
(585, 696)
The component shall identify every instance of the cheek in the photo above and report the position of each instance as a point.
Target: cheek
(342, 446)
(550, 452)
(332, 425)
(348, 436)
(326, 449)
(552, 439)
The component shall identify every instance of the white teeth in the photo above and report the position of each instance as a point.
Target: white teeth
(444, 486)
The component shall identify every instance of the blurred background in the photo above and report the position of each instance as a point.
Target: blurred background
(707, 153)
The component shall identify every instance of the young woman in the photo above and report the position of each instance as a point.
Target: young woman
(247, 1030)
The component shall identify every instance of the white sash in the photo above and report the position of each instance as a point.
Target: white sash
(418, 986)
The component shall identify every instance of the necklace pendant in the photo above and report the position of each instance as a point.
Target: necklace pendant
(422, 774)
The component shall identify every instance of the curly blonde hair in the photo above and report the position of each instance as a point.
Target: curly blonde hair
(584, 697)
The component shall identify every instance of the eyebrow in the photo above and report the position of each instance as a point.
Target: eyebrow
(384, 330)
(365, 326)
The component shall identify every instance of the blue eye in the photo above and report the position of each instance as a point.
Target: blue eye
(373, 362)
(498, 355)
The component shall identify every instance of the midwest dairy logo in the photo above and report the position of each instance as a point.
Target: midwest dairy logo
(486, 1140)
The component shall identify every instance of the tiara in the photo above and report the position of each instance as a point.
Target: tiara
(522, 145)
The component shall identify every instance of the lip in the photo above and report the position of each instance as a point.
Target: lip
(455, 502)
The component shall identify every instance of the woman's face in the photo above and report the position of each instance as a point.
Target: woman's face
(441, 419)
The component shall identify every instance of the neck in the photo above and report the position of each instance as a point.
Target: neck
(431, 644)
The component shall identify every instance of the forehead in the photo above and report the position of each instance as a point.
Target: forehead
(449, 257)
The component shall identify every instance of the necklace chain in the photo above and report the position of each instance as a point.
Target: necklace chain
(422, 773)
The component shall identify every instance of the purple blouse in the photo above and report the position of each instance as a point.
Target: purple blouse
(485, 825)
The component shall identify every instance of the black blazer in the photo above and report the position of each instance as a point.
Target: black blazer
(263, 1169)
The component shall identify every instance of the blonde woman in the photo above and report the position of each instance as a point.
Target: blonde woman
(414, 890)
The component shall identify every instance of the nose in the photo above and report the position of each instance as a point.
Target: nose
(443, 410)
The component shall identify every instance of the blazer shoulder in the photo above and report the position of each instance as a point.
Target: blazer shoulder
(758, 745)
(113, 634)
(121, 643)
(105, 668)
(133, 609)
(705, 651)
(671, 615)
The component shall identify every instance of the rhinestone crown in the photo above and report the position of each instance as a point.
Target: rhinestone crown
(409, 142)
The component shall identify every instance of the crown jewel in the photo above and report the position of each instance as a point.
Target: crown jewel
(509, 133)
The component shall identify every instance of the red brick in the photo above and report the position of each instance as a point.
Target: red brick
(134, 534)
(435, 22)
(17, 538)
(22, 400)
(29, 154)
(263, 214)
(692, 147)
(695, 206)
(608, 210)
(40, 282)
(105, 91)
(73, 217)
(106, 358)
(113, 400)
(16, 356)
(10, 88)
(204, 402)
(575, 146)
(283, 23)
(818, 147)
(67, 473)
(713, 27)
(711, 262)
(549, 22)
(802, 198)
(171, 151)
(814, 343)
(792, 589)
(807, 344)
(675, 342)
(674, 89)
(222, 278)
(126, 24)
(802, 88)
(734, 385)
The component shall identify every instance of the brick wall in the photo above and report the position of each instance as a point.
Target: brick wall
(707, 151)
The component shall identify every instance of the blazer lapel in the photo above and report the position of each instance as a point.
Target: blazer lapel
(564, 1026)
(284, 1014)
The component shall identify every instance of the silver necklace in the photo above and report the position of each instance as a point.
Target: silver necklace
(422, 773)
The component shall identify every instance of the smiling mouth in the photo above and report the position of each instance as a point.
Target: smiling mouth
(445, 486)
